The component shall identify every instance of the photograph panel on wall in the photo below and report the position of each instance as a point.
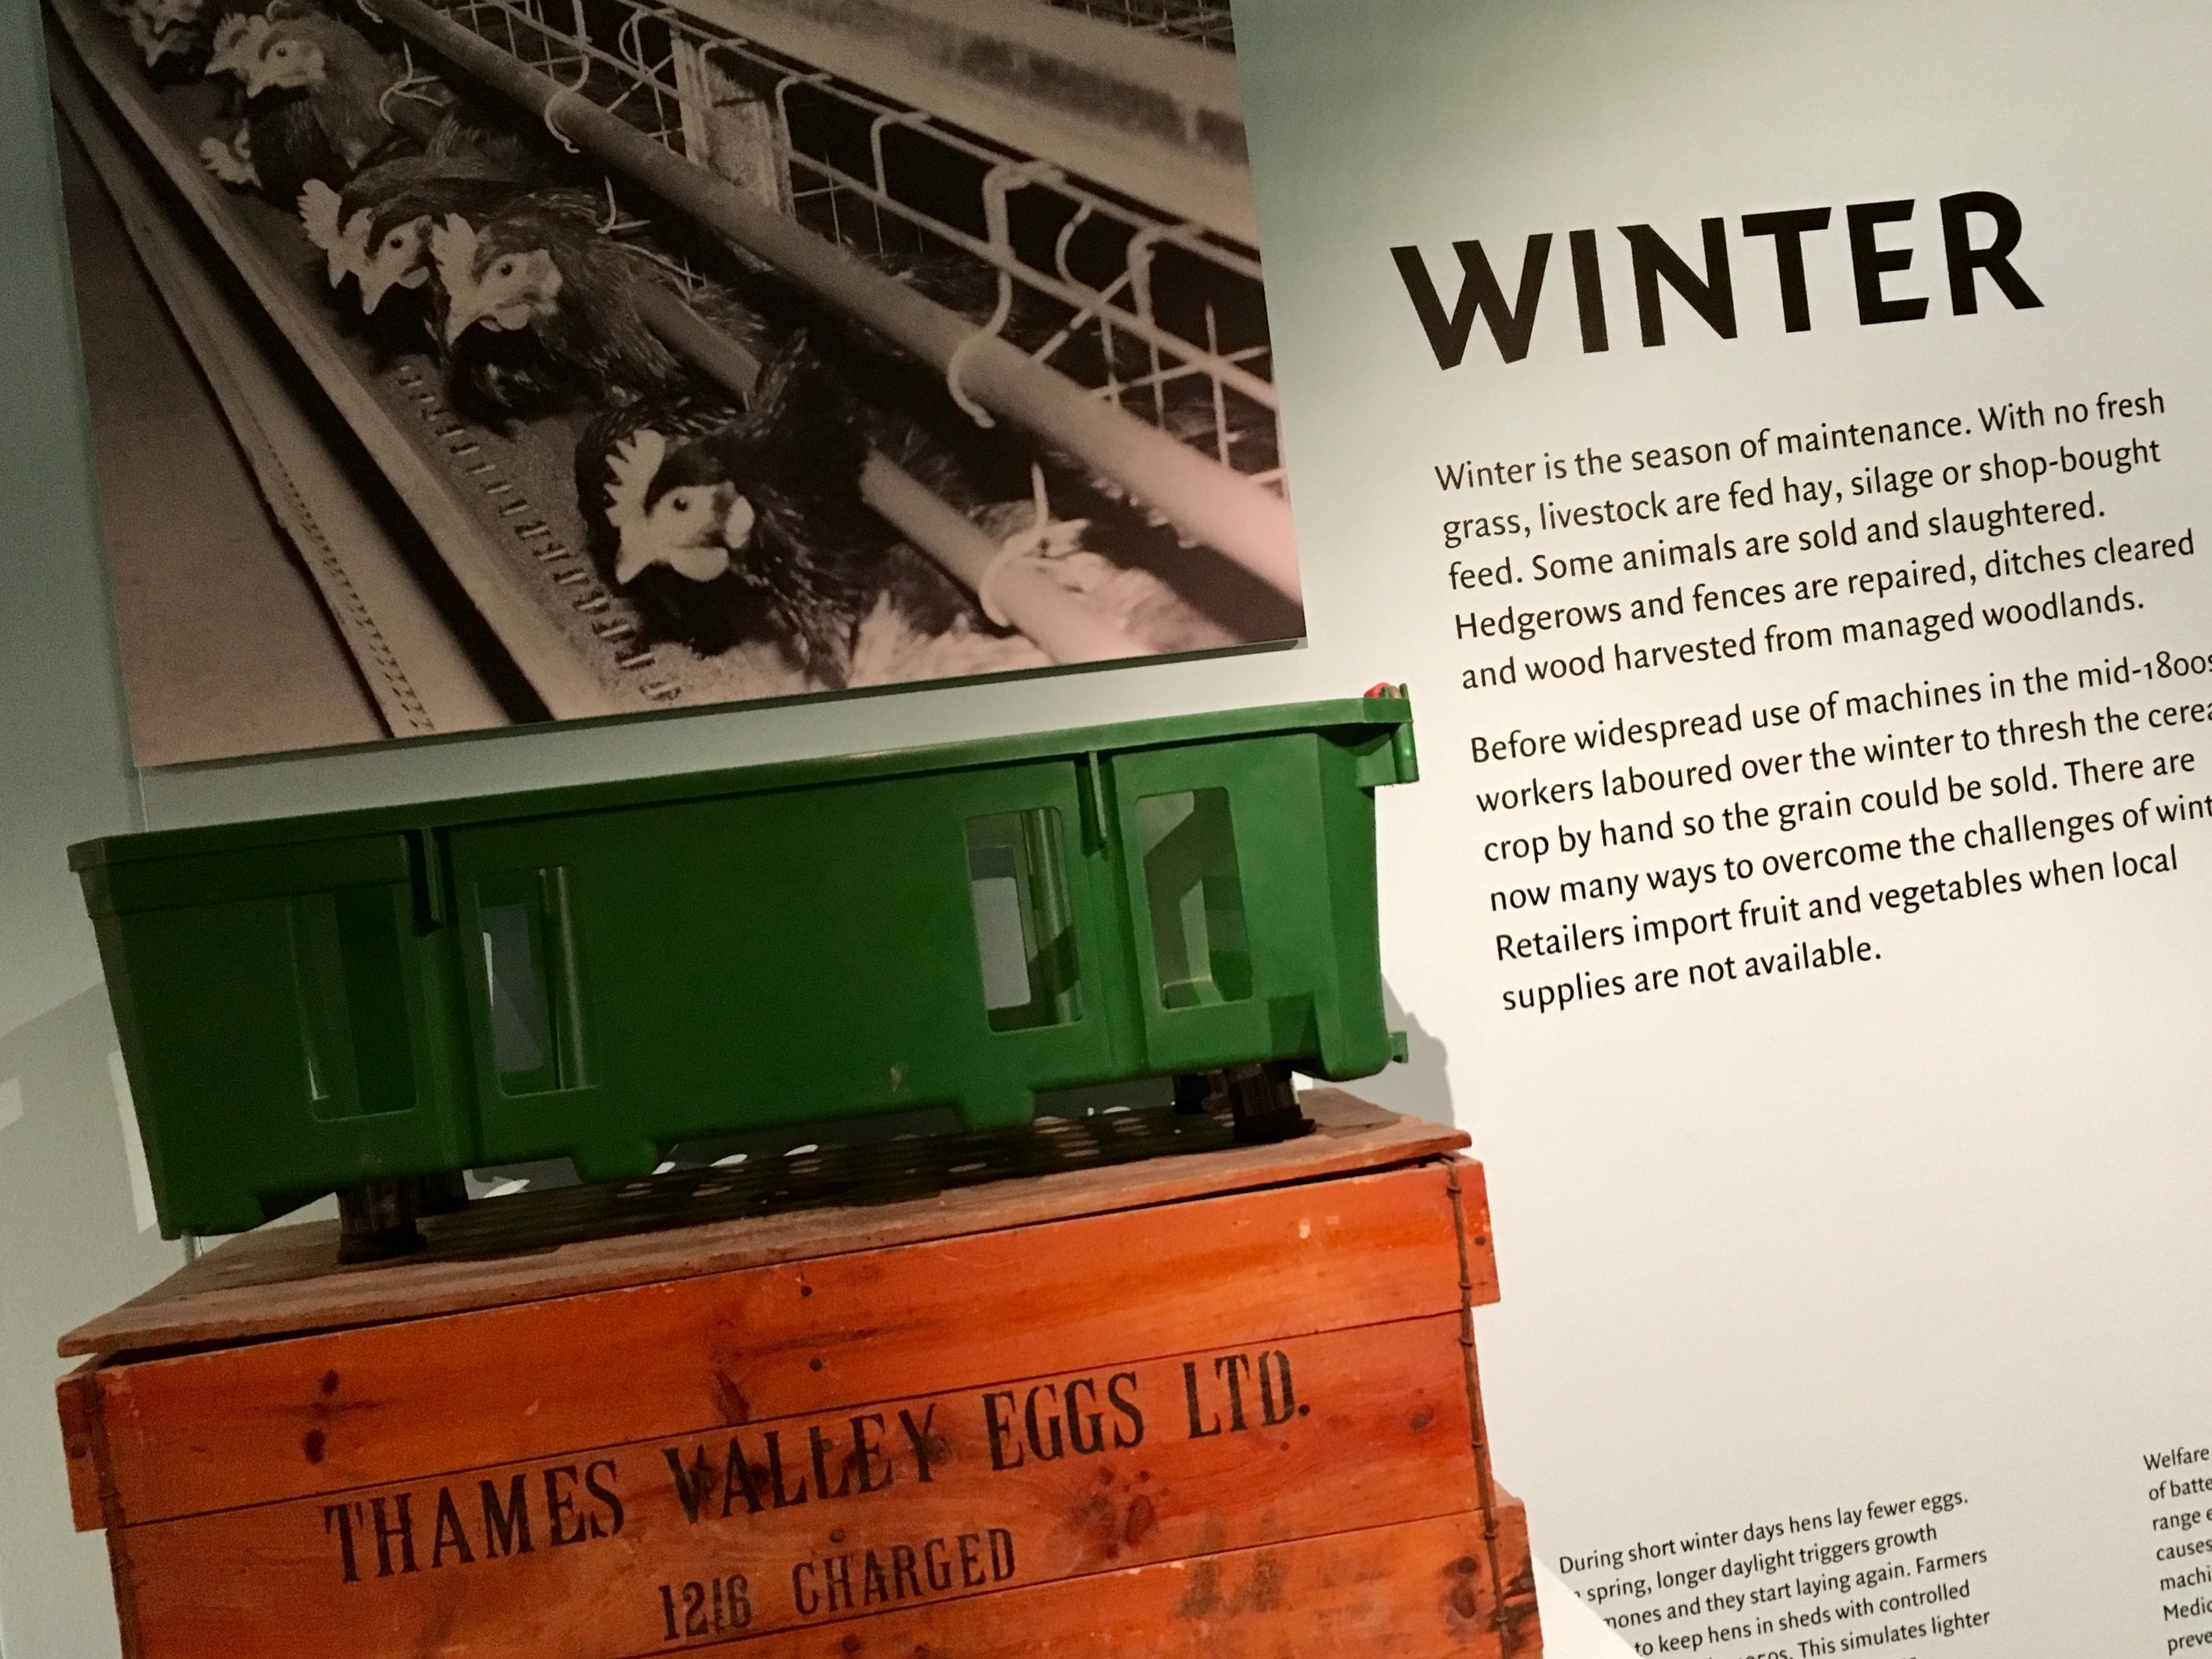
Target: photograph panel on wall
(462, 364)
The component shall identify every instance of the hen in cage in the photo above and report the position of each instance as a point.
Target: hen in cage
(236, 38)
(181, 39)
(378, 232)
(534, 269)
(377, 228)
(729, 527)
(315, 90)
(492, 374)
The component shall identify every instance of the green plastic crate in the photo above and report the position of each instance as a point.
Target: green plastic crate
(604, 970)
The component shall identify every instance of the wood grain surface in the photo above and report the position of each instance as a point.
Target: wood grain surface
(1420, 1589)
(285, 1280)
(792, 1521)
(260, 1422)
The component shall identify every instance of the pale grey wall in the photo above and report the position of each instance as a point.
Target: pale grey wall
(70, 1240)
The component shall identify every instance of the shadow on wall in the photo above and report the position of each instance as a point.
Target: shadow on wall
(1421, 1087)
(77, 1236)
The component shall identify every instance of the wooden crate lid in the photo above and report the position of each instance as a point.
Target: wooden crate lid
(285, 1281)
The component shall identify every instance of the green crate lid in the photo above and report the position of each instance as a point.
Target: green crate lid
(1386, 708)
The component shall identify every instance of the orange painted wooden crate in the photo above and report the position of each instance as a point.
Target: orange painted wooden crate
(1221, 1403)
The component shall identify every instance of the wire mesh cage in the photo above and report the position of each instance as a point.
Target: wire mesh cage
(1193, 21)
(1159, 316)
(1012, 244)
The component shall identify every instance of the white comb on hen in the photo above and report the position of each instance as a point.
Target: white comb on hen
(454, 245)
(319, 212)
(634, 462)
(353, 244)
(238, 40)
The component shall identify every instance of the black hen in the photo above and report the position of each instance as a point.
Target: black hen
(539, 271)
(729, 527)
(316, 90)
(377, 229)
(182, 40)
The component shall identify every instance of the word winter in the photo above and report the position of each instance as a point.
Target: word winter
(1711, 292)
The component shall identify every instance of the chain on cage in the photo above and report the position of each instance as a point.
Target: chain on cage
(1161, 317)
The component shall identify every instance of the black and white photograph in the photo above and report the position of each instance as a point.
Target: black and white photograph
(457, 364)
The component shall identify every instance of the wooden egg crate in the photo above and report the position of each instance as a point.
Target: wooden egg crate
(1222, 1402)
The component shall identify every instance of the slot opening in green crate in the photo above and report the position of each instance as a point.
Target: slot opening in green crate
(534, 1004)
(1024, 927)
(1199, 944)
(351, 993)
